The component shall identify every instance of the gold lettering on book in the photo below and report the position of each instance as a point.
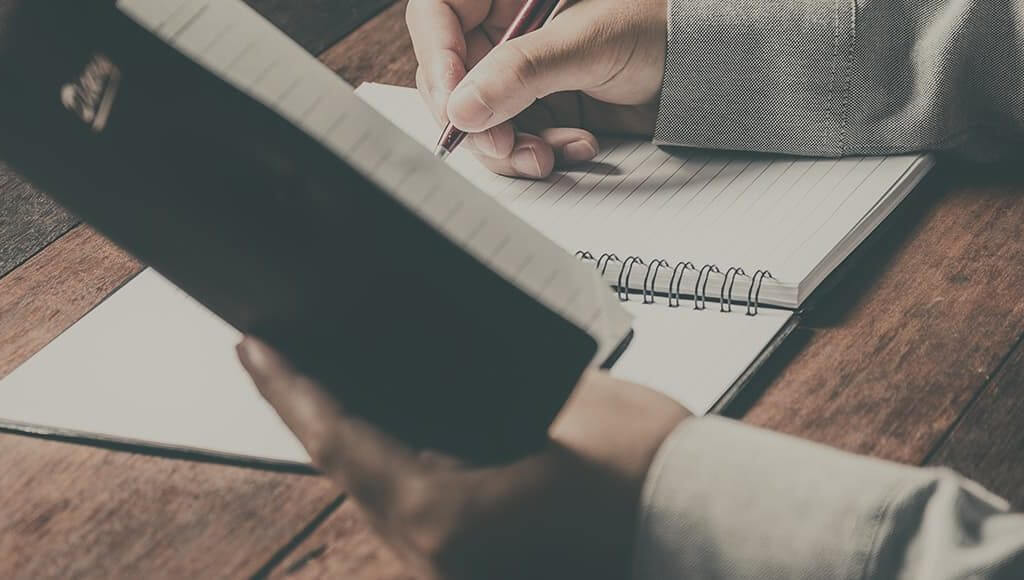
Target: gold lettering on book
(92, 96)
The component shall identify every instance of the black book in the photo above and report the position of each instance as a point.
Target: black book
(303, 217)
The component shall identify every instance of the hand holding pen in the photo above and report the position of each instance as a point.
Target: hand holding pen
(538, 98)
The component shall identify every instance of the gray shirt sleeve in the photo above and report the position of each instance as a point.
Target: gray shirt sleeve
(842, 77)
(726, 500)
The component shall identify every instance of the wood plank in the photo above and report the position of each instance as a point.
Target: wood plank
(74, 510)
(911, 335)
(28, 221)
(380, 51)
(317, 24)
(54, 289)
(344, 547)
(988, 443)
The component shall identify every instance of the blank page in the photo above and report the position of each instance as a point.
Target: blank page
(786, 215)
(149, 365)
(695, 356)
(238, 45)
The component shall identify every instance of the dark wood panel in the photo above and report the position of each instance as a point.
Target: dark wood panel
(317, 24)
(28, 221)
(988, 442)
(907, 340)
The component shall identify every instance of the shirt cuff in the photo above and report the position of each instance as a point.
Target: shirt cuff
(726, 500)
(757, 76)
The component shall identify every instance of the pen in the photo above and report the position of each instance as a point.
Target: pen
(532, 16)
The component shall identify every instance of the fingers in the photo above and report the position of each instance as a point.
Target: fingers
(536, 156)
(437, 28)
(571, 145)
(515, 74)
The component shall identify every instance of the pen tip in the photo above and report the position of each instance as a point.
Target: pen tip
(441, 153)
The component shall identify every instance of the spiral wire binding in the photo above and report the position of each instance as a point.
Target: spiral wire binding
(649, 288)
(754, 296)
(675, 293)
(723, 301)
(676, 282)
(700, 291)
(627, 269)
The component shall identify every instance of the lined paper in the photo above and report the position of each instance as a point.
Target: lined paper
(240, 46)
(795, 217)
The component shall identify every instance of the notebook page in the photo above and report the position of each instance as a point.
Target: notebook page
(783, 214)
(240, 46)
(695, 356)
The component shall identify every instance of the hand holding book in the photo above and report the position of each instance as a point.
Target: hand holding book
(448, 520)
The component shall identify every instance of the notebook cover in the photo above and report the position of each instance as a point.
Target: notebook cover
(270, 231)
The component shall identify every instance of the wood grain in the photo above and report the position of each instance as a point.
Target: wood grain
(28, 221)
(988, 442)
(911, 336)
(84, 512)
(318, 24)
(379, 51)
(54, 289)
(344, 547)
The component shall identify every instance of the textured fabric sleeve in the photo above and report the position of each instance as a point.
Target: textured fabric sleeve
(725, 500)
(842, 77)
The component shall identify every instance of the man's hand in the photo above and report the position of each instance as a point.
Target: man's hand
(596, 67)
(567, 512)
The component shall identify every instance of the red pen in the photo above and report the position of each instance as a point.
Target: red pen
(532, 16)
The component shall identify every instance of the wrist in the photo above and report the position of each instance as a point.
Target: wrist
(616, 424)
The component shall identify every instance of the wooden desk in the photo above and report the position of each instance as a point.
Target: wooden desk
(916, 358)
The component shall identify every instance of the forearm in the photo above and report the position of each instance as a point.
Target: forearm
(724, 500)
(833, 78)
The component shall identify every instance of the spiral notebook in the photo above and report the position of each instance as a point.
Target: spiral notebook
(710, 253)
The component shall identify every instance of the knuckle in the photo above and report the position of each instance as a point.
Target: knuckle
(523, 63)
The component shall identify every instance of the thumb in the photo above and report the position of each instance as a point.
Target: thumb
(515, 74)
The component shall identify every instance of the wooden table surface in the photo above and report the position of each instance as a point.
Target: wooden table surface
(915, 357)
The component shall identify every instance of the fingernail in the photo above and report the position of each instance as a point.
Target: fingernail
(252, 353)
(245, 351)
(525, 161)
(468, 108)
(485, 143)
(580, 150)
